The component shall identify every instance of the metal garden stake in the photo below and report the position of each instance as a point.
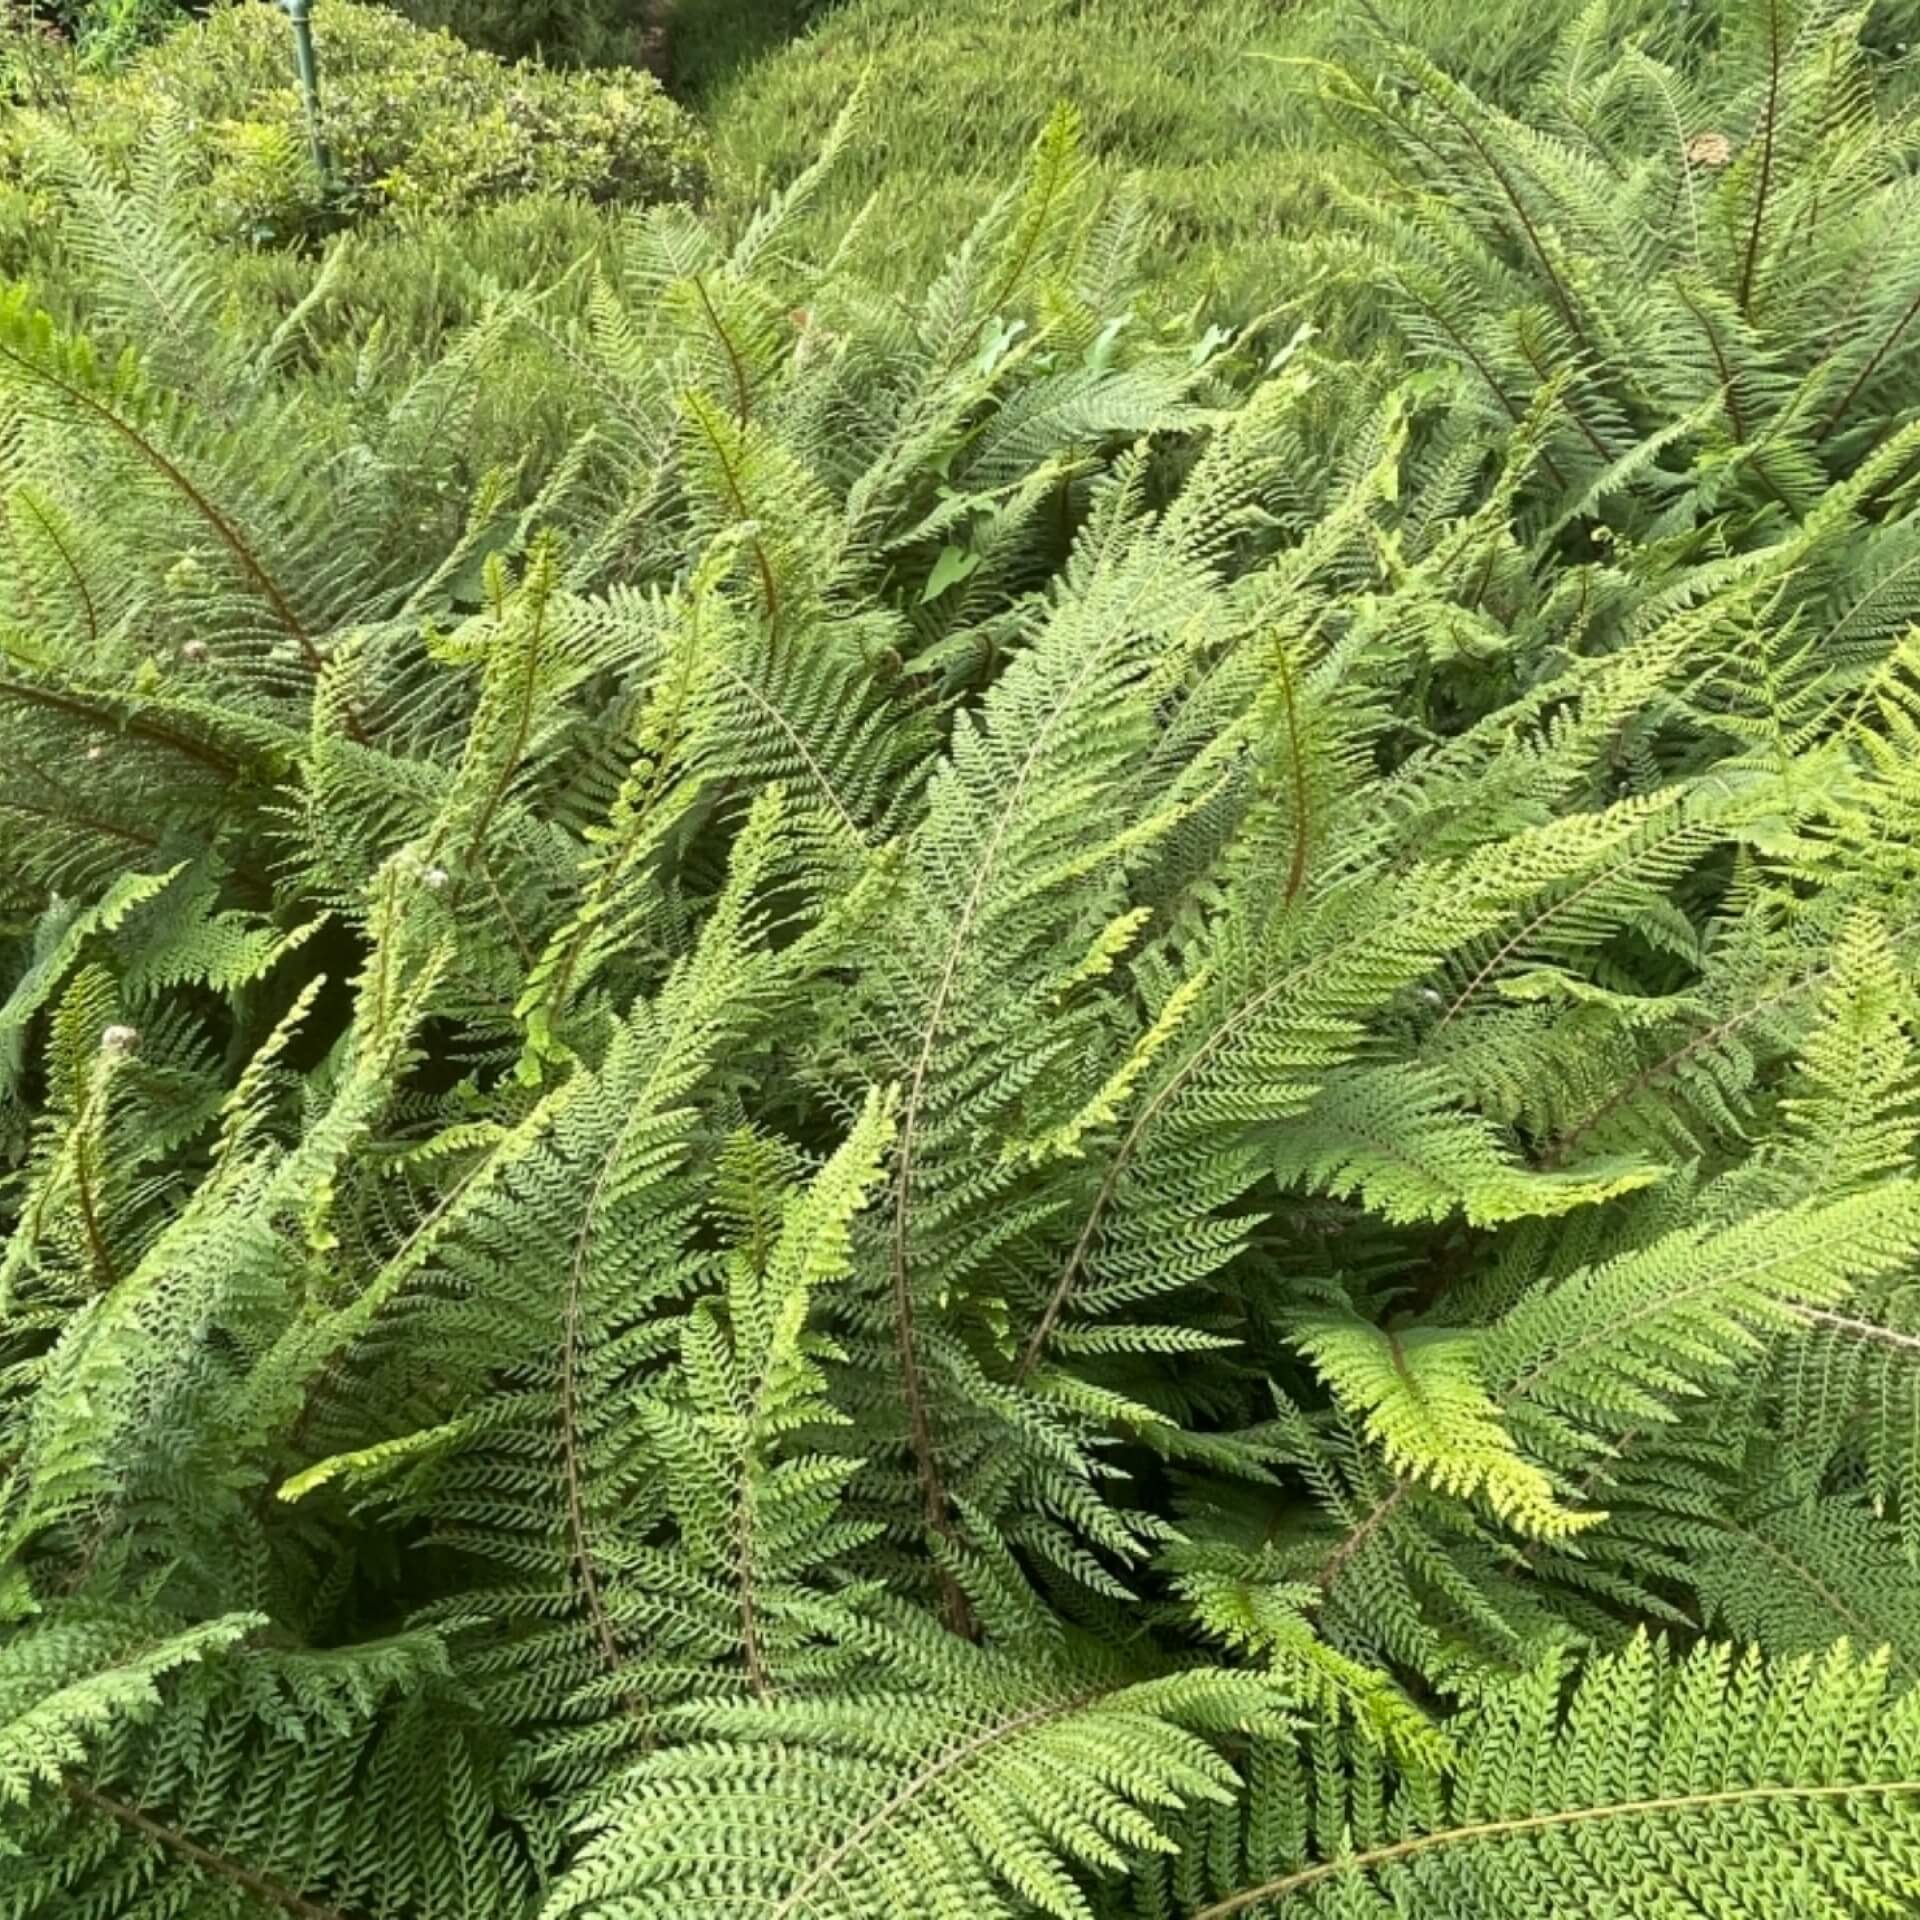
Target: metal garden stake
(300, 12)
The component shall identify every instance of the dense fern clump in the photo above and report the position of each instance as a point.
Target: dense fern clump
(837, 1105)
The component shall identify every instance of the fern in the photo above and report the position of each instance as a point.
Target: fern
(852, 1100)
(1565, 1801)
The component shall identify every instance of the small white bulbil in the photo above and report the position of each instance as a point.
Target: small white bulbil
(434, 877)
(117, 1042)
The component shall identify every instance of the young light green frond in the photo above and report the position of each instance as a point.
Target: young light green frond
(1420, 1397)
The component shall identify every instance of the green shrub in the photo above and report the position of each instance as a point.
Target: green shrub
(417, 279)
(418, 123)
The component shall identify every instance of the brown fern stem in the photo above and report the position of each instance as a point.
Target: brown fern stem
(508, 918)
(106, 1275)
(176, 1842)
(138, 727)
(1869, 1330)
(1485, 580)
(1765, 183)
(228, 534)
(1359, 1534)
(773, 712)
(747, 1581)
(1730, 394)
(1680, 1296)
(1016, 268)
(572, 1462)
(1561, 297)
(1230, 1026)
(1518, 1391)
(919, 1420)
(60, 547)
(1556, 1154)
(769, 593)
(1526, 931)
(92, 822)
(1302, 825)
(1867, 372)
(176, 476)
(1859, 1628)
(1729, 390)
(1544, 375)
(741, 392)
